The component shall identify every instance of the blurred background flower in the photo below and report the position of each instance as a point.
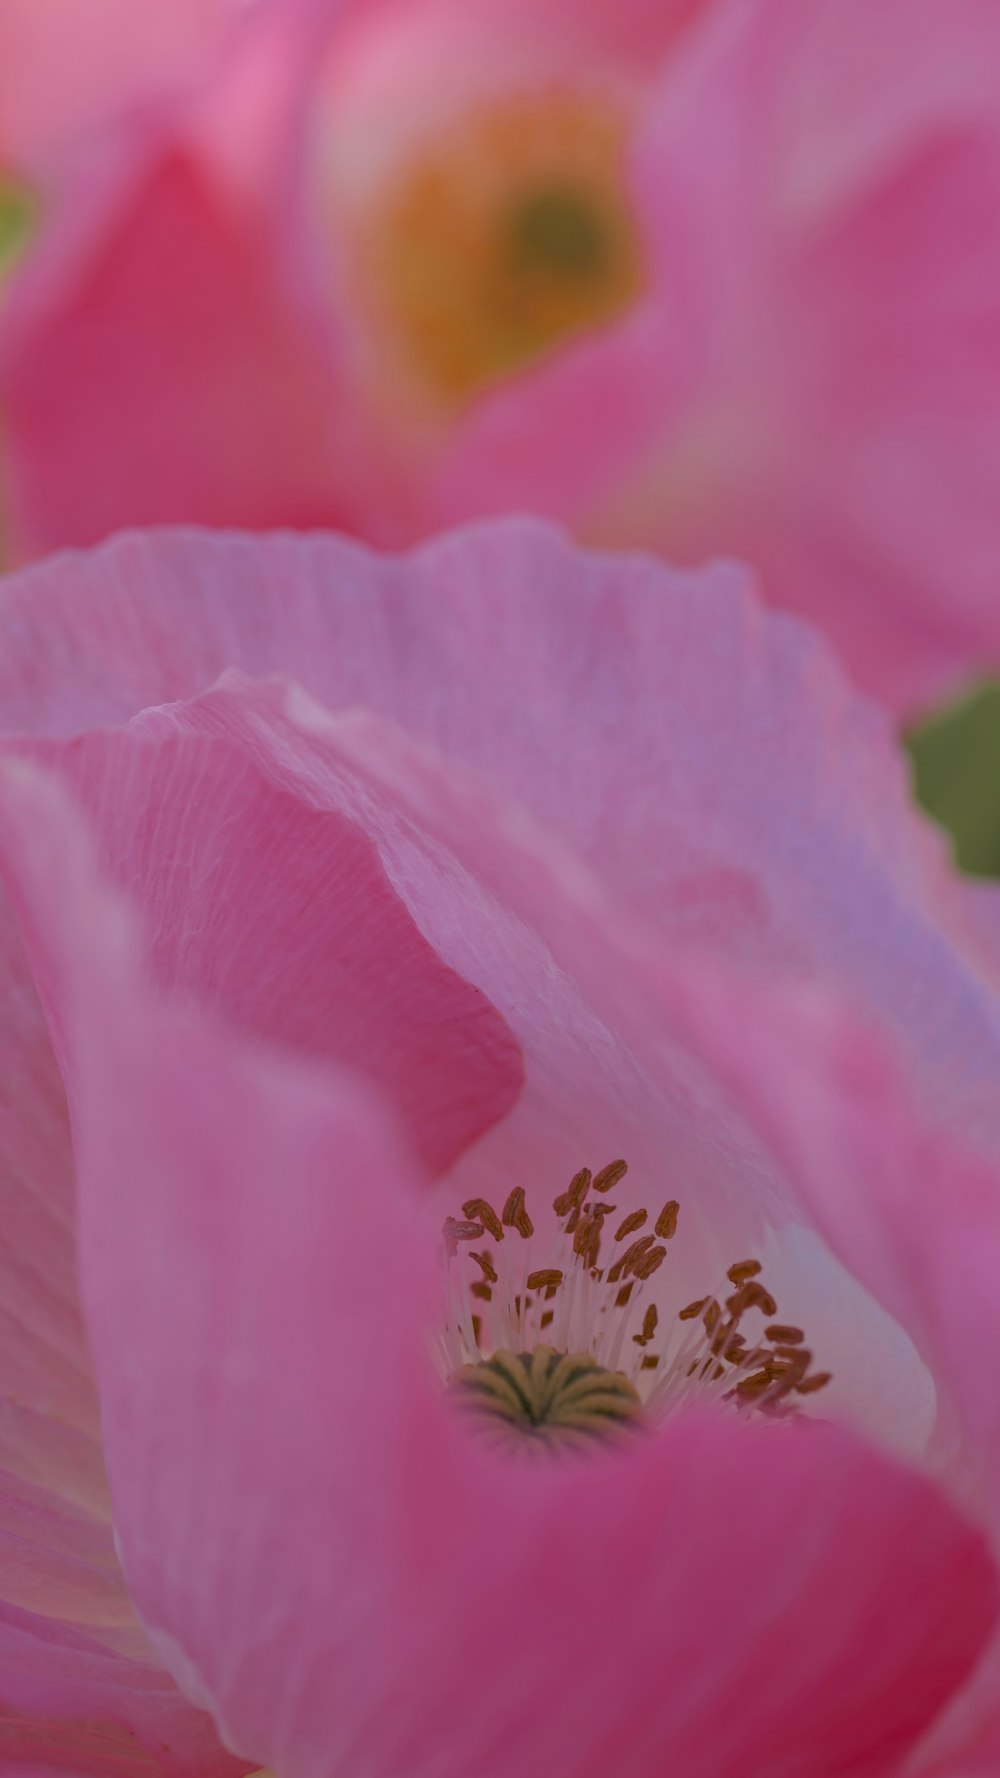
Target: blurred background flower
(710, 276)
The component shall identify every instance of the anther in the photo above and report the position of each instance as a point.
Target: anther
(633, 1221)
(541, 1279)
(456, 1231)
(573, 1198)
(693, 1310)
(746, 1268)
(515, 1214)
(666, 1223)
(610, 1175)
(635, 1252)
(649, 1263)
(485, 1265)
(785, 1336)
(752, 1296)
(480, 1211)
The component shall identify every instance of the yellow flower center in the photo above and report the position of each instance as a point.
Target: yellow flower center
(505, 235)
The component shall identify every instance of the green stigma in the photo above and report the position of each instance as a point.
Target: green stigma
(557, 1400)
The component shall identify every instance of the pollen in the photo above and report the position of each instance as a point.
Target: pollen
(504, 235)
(578, 1334)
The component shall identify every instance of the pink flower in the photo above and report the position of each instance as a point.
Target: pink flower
(69, 67)
(370, 902)
(705, 275)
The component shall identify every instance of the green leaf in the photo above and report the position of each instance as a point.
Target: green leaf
(956, 761)
(18, 211)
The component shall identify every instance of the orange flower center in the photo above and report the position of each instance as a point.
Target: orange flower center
(507, 234)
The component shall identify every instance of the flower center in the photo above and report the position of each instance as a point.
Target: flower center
(507, 234)
(593, 1341)
(560, 1399)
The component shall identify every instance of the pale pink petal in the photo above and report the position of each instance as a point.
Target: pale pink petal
(315, 1537)
(711, 766)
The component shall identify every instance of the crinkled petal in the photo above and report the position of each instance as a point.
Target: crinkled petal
(711, 765)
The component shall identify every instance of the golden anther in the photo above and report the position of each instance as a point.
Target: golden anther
(541, 1279)
(787, 1336)
(623, 1295)
(574, 1196)
(746, 1268)
(478, 1289)
(485, 1265)
(751, 1296)
(637, 1249)
(513, 1207)
(649, 1322)
(610, 1175)
(649, 1263)
(810, 1385)
(666, 1222)
(693, 1310)
(633, 1221)
(480, 1211)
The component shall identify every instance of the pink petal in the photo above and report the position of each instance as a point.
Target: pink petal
(850, 216)
(277, 910)
(179, 313)
(174, 260)
(69, 1643)
(683, 747)
(313, 1535)
(66, 65)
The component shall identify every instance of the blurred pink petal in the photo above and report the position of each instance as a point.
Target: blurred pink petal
(801, 367)
(67, 66)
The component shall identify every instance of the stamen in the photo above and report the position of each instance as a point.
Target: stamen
(610, 1175)
(480, 1211)
(632, 1222)
(540, 1324)
(666, 1222)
